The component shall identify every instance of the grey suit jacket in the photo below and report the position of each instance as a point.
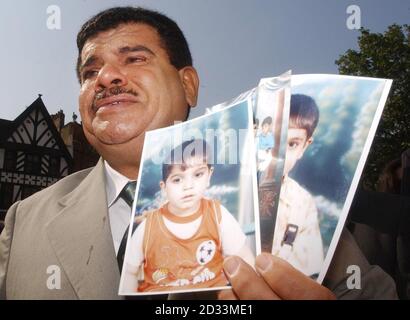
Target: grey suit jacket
(64, 232)
(62, 228)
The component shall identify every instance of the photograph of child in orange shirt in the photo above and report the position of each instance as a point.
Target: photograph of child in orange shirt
(181, 245)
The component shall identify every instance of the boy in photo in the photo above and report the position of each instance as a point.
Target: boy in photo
(297, 237)
(265, 143)
(181, 245)
(255, 129)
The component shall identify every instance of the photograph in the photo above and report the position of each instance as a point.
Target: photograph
(324, 162)
(86, 82)
(270, 102)
(189, 208)
(270, 123)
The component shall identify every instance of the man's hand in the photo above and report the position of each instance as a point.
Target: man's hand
(277, 279)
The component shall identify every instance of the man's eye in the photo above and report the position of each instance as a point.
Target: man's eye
(136, 59)
(89, 74)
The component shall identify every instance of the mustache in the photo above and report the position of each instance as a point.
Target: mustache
(113, 91)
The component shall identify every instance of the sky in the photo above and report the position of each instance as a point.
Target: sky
(234, 43)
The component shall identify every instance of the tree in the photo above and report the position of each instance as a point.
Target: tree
(384, 56)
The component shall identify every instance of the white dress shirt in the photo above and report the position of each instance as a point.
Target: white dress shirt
(119, 212)
(297, 207)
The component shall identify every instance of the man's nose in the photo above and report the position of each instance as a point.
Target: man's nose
(109, 76)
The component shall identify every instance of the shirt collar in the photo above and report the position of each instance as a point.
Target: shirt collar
(115, 183)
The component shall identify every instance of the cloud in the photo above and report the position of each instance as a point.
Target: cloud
(217, 191)
(151, 204)
(329, 213)
(327, 208)
(361, 128)
(335, 103)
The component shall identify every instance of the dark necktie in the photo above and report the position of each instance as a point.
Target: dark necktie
(127, 194)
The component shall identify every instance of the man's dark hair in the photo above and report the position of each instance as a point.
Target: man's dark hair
(171, 36)
(304, 113)
(180, 156)
(267, 120)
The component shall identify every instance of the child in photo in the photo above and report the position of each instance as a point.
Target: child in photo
(255, 129)
(265, 143)
(297, 237)
(181, 245)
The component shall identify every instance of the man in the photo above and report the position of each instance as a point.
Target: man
(136, 74)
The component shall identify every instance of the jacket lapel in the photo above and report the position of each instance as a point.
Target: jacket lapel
(81, 238)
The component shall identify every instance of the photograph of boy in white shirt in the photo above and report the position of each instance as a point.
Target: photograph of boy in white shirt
(297, 237)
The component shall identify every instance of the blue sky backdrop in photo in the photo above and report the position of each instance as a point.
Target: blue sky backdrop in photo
(347, 107)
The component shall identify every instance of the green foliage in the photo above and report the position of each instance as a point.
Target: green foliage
(384, 55)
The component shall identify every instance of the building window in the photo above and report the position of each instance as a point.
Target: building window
(32, 163)
(54, 168)
(10, 159)
(6, 195)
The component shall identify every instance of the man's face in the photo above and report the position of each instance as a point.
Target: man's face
(185, 188)
(296, 146)
(128, 86)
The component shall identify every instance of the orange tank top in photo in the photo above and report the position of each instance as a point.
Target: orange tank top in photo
(172, 263)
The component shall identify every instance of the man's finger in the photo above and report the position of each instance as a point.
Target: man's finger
(227, 295)
(246, 284)
(287, 282)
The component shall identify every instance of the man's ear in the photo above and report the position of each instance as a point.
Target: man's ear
(190, 82)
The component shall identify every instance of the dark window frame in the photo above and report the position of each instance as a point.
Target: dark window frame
(54, 166)
(6, 195)
(10, 160)
(32, 163)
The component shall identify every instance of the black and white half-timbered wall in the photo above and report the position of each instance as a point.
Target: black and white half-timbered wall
(32, 155)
